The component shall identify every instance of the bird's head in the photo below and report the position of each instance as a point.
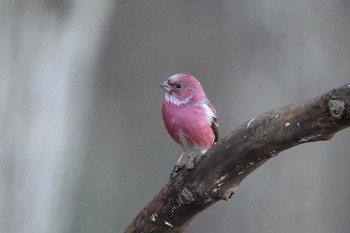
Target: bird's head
(182, 89)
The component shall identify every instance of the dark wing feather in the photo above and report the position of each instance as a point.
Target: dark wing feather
(215, 126)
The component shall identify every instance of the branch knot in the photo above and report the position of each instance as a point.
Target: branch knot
(336, 108)
(186, 197)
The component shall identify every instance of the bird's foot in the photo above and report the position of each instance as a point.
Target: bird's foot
(189, 164)
(191, 160)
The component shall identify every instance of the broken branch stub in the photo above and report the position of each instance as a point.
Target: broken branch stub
(221, 169)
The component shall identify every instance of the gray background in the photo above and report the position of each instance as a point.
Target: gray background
(83, 147)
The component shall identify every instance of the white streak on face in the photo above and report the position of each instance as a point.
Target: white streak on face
(174, 78)
(173, 99)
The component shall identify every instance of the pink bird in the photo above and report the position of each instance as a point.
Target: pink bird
(188, 115)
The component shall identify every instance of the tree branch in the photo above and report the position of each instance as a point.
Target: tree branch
(220, 170)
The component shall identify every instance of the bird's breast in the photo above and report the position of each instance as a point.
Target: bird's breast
(188, 125)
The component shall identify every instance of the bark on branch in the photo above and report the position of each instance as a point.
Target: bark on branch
(220, 170)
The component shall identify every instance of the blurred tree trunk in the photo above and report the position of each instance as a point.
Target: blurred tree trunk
(47, 64)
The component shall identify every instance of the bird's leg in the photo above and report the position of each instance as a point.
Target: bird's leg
(178, 167)
(178, 163)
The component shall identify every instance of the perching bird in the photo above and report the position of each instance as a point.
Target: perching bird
(188, 115)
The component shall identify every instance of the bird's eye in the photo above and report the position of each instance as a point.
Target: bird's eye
(178, 85)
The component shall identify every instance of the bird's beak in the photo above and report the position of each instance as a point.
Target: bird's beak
(166, 87)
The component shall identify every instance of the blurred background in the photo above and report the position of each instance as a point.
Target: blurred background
(82, 144)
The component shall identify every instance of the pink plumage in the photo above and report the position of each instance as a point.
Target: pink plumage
(188, 115)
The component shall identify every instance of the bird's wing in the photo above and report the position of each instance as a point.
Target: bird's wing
(214, 120)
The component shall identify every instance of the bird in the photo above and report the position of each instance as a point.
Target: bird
(189, 117)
